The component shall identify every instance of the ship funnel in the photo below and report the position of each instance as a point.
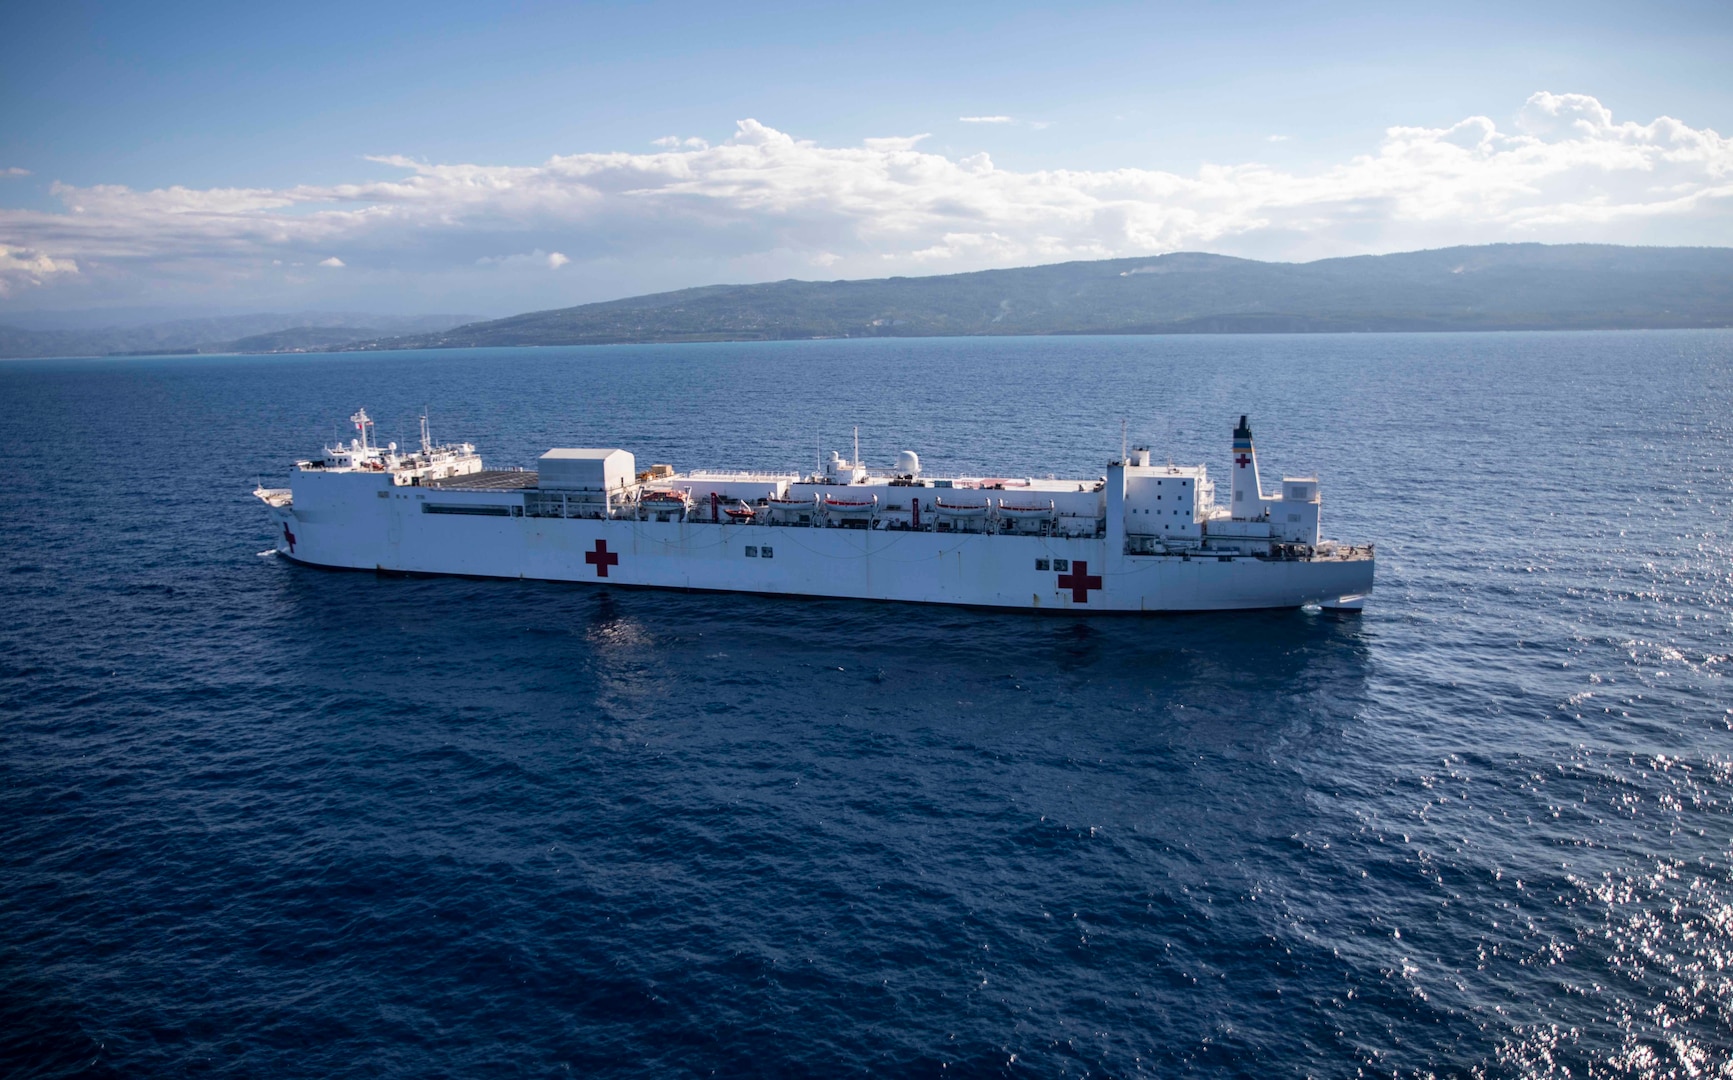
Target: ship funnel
(1247, 493)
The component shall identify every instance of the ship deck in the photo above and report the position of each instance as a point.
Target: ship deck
(488, 480)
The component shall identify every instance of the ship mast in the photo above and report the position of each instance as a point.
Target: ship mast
(362, 422)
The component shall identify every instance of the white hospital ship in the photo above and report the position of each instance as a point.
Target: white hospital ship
(1144, 537)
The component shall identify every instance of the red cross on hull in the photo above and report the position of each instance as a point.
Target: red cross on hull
(1079, 581)
(290, 537)
(601, 558)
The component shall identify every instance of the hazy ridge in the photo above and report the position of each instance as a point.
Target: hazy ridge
(1491, 287)
(268, 332)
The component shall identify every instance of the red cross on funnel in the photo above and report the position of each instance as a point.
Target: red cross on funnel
(601, 558)
(1080, 581)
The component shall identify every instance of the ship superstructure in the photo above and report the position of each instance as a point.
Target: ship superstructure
(1142, 537)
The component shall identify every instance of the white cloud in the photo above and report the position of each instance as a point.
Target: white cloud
(22, 266)
(666, 142)
(333, 262)
(1565, 115)
(1277, 138)
(14, 171)
(984, 120)
(765, 204)
(894, 143)
(525, 261)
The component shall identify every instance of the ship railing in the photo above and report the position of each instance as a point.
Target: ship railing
(736, 474)
(565, 504)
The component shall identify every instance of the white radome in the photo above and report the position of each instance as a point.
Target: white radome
(1142, 538)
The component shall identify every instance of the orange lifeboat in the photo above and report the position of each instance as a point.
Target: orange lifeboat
(851, 507)
(960, 510)
(1025, 513)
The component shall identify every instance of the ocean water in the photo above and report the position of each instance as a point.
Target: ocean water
(258, 819)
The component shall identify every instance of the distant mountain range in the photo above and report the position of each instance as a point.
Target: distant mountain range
(306, 331)
(1495, 287)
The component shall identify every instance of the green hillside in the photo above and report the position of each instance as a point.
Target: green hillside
(1497, 287)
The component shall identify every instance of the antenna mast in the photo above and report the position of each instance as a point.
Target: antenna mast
(1122, 440)
(362, 422)
(857, 446)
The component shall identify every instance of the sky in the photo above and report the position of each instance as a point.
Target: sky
(490, 159)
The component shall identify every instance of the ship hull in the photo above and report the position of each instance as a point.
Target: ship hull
(394, 534)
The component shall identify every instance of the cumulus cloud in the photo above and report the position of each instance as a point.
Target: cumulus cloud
(20, 267)
(984, 120)
(333, 262)
(765, 204)
(1565, 115)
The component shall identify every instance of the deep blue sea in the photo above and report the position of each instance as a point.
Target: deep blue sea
(262, 820)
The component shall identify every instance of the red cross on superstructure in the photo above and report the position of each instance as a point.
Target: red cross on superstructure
(290, 537)
(601, 558)
(1243, 460)
(1080, 581)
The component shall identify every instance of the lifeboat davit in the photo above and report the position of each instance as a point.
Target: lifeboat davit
(1025, 513)
(851, 506)
(663, 502)
(960, 510)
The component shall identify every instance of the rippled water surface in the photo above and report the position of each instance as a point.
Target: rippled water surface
(260, 820)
